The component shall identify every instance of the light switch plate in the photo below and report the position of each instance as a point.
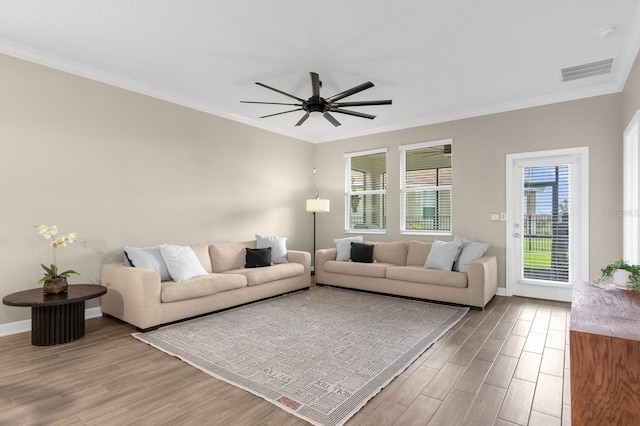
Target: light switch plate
(494, 217)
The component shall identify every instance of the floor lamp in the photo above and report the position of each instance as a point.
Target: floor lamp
(316, 205)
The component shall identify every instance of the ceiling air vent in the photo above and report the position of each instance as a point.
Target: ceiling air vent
(587, 70)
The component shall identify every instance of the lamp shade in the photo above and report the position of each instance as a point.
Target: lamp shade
(317, 205)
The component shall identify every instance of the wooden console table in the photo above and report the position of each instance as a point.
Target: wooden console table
(605, 356)
(56, 318)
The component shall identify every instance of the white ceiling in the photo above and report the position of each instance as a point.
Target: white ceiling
(437, 60)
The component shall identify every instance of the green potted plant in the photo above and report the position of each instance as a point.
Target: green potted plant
(623, 274)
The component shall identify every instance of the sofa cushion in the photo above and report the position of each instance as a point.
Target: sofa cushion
(228, 256)
(202, 253)
(471, 250)
(201, 286)
(443, 254)
(258, 257)
(418, 274)
(417, 253)
(278, 247)
(390, 252)
(376, 270)
(362, 253)
(257, 276)
(343, 247)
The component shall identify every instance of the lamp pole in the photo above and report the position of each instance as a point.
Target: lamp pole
(316, 205)
(314, 244)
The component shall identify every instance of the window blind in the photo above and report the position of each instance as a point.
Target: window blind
(366, 198)
(426, 179)
(546, 243)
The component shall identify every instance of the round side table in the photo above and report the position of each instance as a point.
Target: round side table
(56, 318)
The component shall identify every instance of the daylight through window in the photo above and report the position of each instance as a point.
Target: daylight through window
(425, 186)
(366, 191)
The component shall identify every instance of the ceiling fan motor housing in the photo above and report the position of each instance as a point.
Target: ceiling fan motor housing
(316, 104)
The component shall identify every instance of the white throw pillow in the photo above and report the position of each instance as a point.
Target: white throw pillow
(182, 262)
(442, 255)
(343, 247)
(278, 247)
(147, 258)
(471, 250)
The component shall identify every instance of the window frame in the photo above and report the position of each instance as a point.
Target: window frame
(349, 192)
(631, 190)
(423, 188)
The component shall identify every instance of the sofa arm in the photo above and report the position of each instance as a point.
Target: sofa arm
(302, 257)
(322, 256)
(483, 280)
(133, 294)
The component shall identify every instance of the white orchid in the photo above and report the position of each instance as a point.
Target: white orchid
(47, 231)
(61, 240)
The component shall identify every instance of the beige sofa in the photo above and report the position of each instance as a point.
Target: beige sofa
(137, 295)
(398, 269)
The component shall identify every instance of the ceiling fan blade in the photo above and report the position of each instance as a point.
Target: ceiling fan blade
(315, 83)
(352, 91)
(283, 112)
(331, 119)
(356, 113)
(268, 103)
(280, 91)
(302, 120)
(361, 103)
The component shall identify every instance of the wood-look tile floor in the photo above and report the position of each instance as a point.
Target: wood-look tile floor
(506, 365)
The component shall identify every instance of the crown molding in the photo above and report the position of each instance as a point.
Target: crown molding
(75, 68)
(572, 95)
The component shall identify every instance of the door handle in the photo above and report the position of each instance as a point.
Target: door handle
(516, 234)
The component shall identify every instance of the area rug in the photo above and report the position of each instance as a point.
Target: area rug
(320, 354)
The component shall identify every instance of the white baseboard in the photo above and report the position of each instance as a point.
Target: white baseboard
(25, 325)
(501, 291)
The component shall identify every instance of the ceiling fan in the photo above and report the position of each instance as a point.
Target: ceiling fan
(317, 105)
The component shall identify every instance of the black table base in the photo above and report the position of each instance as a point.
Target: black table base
(56, 318)
(53, 325)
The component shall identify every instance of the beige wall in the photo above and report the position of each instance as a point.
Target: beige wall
(480, 146)
(121, 168)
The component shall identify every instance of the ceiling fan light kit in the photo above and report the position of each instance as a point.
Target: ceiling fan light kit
(317, 106)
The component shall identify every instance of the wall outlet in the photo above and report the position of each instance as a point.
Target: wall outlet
(503, 216)
(494, 217)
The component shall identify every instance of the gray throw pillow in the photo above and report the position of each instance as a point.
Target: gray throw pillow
(278, 247)
(147, 258)
(343, 247)
(471, 250)
(442, 255)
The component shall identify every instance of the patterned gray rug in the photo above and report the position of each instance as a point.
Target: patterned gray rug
(320, 354)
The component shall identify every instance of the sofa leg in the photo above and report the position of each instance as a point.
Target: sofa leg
(145, 330)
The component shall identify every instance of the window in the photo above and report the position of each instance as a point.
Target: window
(546, 212)
(366, 191)
(631, 181)
(425, 188)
